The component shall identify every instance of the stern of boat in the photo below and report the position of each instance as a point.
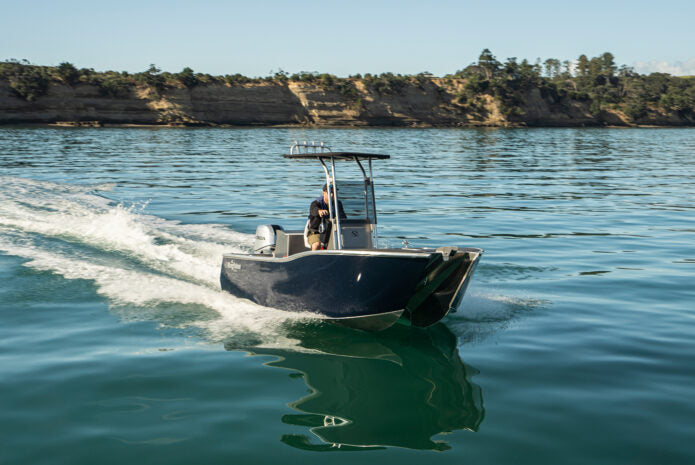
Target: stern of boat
(442, 285)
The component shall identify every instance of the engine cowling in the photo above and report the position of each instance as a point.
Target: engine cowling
(266, 235)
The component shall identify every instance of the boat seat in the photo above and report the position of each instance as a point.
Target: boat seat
(289, 243)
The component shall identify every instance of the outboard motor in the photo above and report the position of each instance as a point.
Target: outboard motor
(265, 238)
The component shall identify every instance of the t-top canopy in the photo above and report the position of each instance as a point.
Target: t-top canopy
(337, 156)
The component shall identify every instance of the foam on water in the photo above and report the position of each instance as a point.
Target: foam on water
(167, 262)
(76, 214)
(494, 308)
(483, 314)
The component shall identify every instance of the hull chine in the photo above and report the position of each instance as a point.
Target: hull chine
(372, 323)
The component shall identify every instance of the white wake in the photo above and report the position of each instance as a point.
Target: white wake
(134, 259)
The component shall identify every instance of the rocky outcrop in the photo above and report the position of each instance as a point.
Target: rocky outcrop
(433, 102)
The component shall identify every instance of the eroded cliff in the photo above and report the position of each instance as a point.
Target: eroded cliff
(434, 102)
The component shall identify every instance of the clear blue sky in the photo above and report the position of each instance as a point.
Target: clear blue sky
(254, 37)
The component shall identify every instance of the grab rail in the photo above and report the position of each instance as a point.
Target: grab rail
(309, 147)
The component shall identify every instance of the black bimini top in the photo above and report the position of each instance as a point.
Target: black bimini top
(337, 156)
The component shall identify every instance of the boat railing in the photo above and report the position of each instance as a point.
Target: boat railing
(309, 147)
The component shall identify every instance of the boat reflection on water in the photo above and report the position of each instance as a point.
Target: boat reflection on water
(397, 388)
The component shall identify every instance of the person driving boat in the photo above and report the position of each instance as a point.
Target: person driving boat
(319, 219)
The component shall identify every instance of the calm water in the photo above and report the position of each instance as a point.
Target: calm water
(574, 344)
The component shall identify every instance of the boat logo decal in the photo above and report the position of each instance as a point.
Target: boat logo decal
(232, 265)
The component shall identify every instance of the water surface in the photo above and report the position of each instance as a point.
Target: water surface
(574, 343)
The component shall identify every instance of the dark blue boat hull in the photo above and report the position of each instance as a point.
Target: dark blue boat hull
(334, 285)
(424, 284)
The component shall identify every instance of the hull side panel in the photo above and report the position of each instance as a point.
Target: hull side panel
(336, 286)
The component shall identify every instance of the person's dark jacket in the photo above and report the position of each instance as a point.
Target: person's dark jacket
(315, 219)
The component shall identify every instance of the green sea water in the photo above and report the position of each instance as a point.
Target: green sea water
(574, 344)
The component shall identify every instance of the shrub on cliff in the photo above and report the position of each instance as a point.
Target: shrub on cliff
(475, 84)
(89, 76)
(27, 81)
(281, 76)
(422, 79)
(114, 85)
(304, 76)
(679, 99)
(187, 77)
(152, 77)
(326, 80)
(68, 73)
(347, 89)
(671, 94)
(386, 83)
(205, 79)
(236, 79)
(635, 109)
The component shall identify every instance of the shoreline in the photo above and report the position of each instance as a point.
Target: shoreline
(100, 125)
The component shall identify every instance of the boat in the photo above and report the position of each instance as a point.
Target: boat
(352, 281)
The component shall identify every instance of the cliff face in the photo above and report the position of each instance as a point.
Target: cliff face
(433, 103)
(260, 104)
(80, 103)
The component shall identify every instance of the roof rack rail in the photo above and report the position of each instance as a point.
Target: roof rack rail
(309, 147)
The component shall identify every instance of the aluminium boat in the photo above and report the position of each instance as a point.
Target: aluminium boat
(352, 281)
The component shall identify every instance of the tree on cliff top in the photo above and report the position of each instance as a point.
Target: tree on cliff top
(582, 66)
(68, 73)
(152, 77)
(488, 63)
(187, 77)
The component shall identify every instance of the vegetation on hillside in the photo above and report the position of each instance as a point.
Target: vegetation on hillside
(598, 82)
